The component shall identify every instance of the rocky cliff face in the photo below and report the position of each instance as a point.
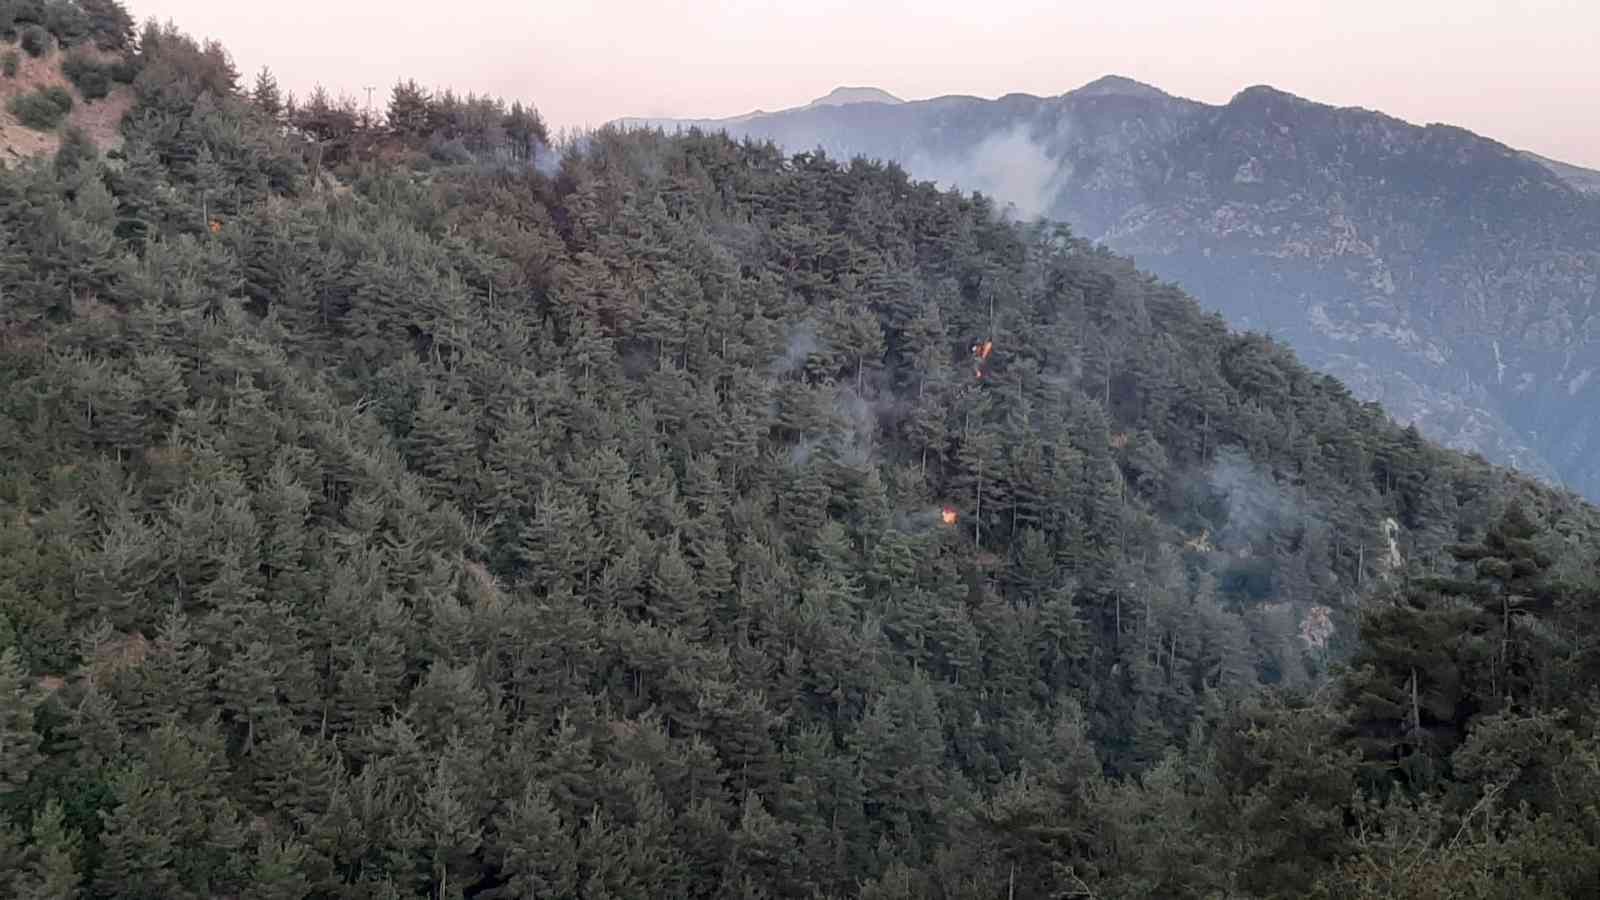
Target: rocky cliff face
(1450, 277)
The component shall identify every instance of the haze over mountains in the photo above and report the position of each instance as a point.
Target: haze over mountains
(1446, 275)
(396, 507)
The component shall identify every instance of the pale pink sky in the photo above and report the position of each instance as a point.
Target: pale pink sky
(1526, 73)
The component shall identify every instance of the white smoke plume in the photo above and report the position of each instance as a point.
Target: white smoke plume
(1258, 505)
(800, 453)
(858, 444)
(1009, 166)
(800, 343)
(546, 160)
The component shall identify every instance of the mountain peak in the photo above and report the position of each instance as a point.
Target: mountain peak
(844, 96)
(1263, 93)
(1119, 86)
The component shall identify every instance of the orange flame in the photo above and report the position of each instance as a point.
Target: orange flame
(980, 353)
(949, 516)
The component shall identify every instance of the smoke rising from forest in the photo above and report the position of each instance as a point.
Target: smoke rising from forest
(859, 411)
(800, 453)
(922, 519)
(863, 417)
(1010, 166)
(1257, 503)
(801, 343)
(545, 160)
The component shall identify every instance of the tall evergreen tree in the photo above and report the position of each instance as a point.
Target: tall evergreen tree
(463, 521)
(265, 94)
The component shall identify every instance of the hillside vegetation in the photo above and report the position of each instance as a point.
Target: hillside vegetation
(64, 68)
(1438, 272)
(393, 512)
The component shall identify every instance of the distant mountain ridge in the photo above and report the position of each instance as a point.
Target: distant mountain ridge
(1585, 180)
(839, 96)
(843, 96)
(1446, 275)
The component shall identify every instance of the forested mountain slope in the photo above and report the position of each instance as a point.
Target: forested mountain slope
(64, 70)
(1445, 275)
(431, 526)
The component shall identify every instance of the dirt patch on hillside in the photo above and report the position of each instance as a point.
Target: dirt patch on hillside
(101, 119)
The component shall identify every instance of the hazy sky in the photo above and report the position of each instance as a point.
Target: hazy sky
(1526, 73)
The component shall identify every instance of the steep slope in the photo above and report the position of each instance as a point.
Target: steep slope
(99, 119)
(1585, 180)
(1440, 273)
(696, 521)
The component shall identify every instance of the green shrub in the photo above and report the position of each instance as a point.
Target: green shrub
(92, 78)
(36, 111)
(125, 70)
(67, 21)
(43, 109)
(36, 40)
(109, 22)
(10, 62)
(76, 149)
(27, 12)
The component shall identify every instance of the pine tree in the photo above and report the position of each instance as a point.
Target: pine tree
(12, 855)
(509, 529)
(899, 744)
(535, 851)
(53, 873)
(551, 548)
(442, 443)
(449, 832)
(762, 847)
(141, 839)
(213, 184)
(265, 94)
(409, 108)
(1448, 650)
(676, 596)
(248, 684)
(173, 681)
(19, 743)
(450, 704)
(279, 872)
(1511, 585)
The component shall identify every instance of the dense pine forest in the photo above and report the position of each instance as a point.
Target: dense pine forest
(410, 509)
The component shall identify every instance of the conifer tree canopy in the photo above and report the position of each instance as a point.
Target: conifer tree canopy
(401, 511)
